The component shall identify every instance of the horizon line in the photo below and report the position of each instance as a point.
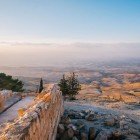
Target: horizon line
(64, 42)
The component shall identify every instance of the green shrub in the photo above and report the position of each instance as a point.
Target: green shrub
(70, 85)
(8, 83)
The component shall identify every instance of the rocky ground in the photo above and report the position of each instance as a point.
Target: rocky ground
(88, 122)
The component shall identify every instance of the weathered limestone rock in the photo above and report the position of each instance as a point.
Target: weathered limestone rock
(40, 121)
(1, 102)
(4, 95)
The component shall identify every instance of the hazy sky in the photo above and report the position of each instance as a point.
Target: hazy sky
(70, 20)
(67, 54)
(60, 23)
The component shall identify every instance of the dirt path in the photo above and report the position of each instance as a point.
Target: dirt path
(12, 113)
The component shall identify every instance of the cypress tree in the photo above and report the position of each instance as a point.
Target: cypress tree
(41, 86)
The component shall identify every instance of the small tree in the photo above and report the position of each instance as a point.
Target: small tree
(41, 86)
(63, 84)
(70, 85)
(74, 85)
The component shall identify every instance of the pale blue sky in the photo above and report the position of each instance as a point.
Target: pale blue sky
(70, 20)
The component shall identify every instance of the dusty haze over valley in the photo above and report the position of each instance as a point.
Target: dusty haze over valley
(67, 54)
(31, 61)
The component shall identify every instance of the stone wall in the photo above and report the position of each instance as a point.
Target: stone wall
(1, 102)
(40, 121)
(4, 95)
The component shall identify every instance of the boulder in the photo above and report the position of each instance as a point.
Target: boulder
(116, 134)
(84, 136)
(75, 115)
(65, 120)
(82, 115)
(103, 135)
(68, 135)
(72, 115)
(110, 122)
(61, 128)
(92, 133)
(72, 126)
(90, 117)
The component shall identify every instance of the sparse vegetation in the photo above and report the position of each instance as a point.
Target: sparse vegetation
(8, 83)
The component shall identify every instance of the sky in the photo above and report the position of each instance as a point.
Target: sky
(103, 21)
(59, 32)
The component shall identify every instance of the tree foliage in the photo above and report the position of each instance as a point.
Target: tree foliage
(41, 86)
(73, 85)
(8, 83)
(63, 84)
(70, 85)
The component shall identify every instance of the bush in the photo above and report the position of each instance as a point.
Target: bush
(70, 85)
(8, 83)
